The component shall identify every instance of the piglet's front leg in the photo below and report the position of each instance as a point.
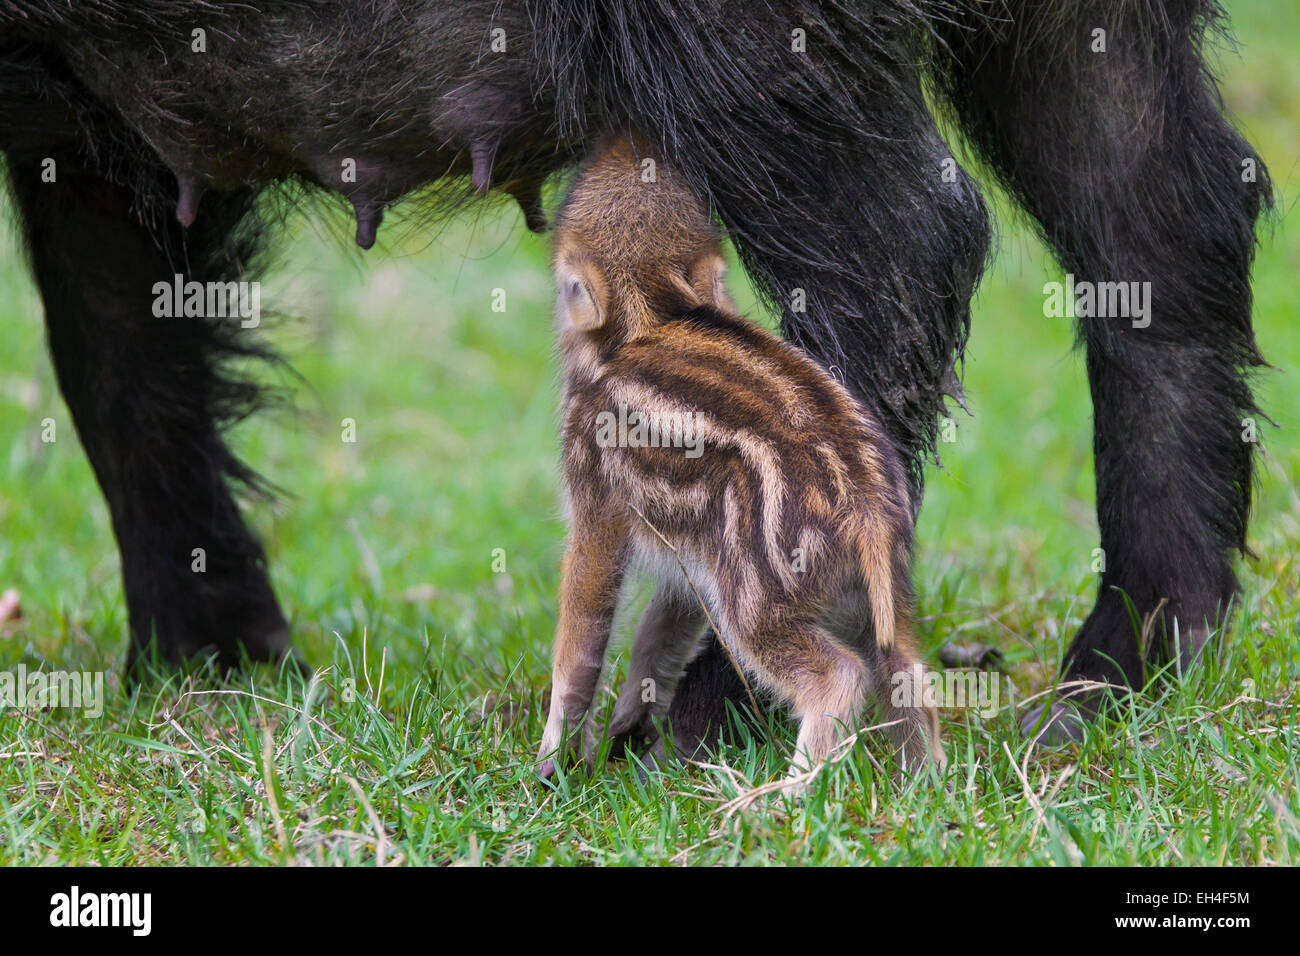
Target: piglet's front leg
(589, 583)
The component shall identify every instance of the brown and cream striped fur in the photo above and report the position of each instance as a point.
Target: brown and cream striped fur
(784, 511)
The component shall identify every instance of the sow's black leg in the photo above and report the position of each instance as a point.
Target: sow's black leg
(1104, 122)
(148, 395)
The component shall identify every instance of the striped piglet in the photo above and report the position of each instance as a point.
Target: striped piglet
(764, 498)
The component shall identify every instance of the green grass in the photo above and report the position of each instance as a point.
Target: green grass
(415, 740)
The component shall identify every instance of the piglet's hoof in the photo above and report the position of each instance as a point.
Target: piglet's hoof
(1061, 725)
(653, 762)
(571, 758)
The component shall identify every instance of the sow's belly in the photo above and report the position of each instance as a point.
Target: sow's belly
(370, 107)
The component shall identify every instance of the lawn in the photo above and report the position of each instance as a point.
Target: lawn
(414, 740)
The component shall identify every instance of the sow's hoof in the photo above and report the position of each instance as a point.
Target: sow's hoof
(1057, 724)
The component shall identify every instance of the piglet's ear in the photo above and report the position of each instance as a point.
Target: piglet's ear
(578, 303)
(708, 277)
